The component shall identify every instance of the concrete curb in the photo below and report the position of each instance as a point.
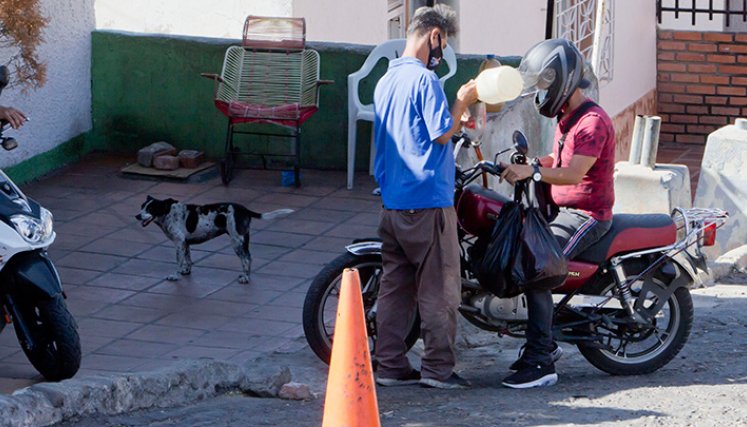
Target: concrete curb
(731, 262)
(49, 403)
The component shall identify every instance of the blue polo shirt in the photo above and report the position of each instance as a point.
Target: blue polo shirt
(411, 112)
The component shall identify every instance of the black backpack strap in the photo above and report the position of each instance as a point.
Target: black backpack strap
(580, 111)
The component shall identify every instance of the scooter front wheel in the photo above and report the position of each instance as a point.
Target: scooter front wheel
(56, 349)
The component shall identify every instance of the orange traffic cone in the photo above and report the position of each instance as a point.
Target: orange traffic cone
(351, 394)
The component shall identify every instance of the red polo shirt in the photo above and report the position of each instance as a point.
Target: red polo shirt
(593, 135)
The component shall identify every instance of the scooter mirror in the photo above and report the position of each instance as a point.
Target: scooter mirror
(9, 144)
(476, 119)
(520, 143)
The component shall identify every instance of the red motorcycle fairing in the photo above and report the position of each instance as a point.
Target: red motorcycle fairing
(579, 273)
(477, 207)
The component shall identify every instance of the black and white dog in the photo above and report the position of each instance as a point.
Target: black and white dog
(186, 224)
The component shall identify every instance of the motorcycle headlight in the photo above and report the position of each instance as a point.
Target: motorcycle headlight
(34, 230)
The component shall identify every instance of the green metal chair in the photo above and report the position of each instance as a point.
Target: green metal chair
(270, 78)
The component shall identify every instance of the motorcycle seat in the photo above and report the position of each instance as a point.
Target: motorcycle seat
(629, 233)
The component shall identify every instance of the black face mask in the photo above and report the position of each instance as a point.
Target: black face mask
(434, 55)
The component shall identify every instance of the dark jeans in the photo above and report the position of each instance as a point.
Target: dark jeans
(575, 231)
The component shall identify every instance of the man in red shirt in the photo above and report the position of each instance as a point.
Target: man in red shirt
(580, 170)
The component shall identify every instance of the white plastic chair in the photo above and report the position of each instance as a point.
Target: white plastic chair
(358, 111)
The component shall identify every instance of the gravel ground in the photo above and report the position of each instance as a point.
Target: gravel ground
(706, 385)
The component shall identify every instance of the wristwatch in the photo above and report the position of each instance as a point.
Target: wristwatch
(537, 175)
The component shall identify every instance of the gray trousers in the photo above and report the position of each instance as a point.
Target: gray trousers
(421, 273)
(575, 231)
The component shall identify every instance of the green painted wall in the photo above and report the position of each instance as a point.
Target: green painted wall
(42, 164)
(148, 88)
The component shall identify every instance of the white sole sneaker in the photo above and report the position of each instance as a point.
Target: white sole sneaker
(546, 381)
(393, 382)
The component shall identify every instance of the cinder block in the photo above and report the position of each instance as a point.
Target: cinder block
(168, 163)
(146, 155)
(722, 183)
(639, 189)
(190, 159)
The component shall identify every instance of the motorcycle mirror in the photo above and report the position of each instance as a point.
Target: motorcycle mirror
(9, 144)
(520, 143)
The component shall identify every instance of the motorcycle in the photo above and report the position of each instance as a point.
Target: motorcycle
(31, 295)
(625, 304)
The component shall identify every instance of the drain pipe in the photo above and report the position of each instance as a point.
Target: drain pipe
(650, 145)
(635, 142)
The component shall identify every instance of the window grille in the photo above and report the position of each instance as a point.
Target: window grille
(730, 9)
(576, 20)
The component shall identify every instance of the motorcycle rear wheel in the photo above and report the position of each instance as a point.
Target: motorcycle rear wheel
(320, 306)
(667, 336)
(56, 353)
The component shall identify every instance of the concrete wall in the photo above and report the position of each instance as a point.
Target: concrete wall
(185, 17)
(61, 109)
(362, 22)
(702, 83)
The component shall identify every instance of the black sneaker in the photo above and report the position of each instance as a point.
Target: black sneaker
(520, 363)
(533, 376)
(412, 378)
(453, 382)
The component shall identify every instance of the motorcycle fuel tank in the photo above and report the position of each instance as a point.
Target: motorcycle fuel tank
(477, 209)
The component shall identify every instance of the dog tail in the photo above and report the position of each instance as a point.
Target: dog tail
(275, 214)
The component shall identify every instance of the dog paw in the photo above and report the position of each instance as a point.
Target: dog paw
(172, 277)
(244, 279)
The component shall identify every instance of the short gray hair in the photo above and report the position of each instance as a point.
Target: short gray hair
(439, 16)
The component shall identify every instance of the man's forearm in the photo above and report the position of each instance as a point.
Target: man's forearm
(457, 110)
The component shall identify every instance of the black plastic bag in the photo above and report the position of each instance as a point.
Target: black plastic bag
(493, 258)
(539, 262)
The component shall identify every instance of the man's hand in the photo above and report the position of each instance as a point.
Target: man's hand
(13, 116)
(514, 173)
(468, 93)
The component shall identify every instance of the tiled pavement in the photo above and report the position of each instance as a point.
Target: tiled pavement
(131, 319)
(113, 270)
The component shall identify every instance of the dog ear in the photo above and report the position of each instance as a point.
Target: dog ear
(148, 198)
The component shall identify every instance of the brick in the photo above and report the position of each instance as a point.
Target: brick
(701, 89)
(716, 100)
(688, 35)
(733, 48)
(731, 90)
(742, 81)
(697, 109)
(691, 139)
(702, 129)
(665, 98)
(671, 88)
(725, 111)
(690, 57)
(685, 78)
(742, 59)
(741, 38)
(716, 80)
(733, 69)
(688, 99)
(701, 68)
(166, 163)
(670, 108)
(718, 37)
(664, 117)
(722, 59)
(672, 128)
(684, 118)
(665, 56)
(744, 112)
(669, 66)
(738, 100)
(663, 77)
(702, 47)
(671, 46)
(146, 155)
(714, 120)
(190, 159)
(665, 35)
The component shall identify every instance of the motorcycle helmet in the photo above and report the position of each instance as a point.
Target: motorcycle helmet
(552, 70)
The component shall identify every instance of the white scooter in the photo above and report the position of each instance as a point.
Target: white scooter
(31, 295)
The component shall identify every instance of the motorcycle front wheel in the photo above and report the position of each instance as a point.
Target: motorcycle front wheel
(320, 306)
(641, 350)
(56, 352)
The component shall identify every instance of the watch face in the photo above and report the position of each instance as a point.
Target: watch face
(537, 176)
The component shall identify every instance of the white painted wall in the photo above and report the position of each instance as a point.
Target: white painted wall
(61, 109)
(502, 27)
(634, 55)
(224, 18)
(350, 21)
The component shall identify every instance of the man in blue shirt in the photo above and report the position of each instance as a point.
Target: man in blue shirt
(414, 167)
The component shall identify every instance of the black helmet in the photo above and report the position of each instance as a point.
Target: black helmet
(553, 69)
